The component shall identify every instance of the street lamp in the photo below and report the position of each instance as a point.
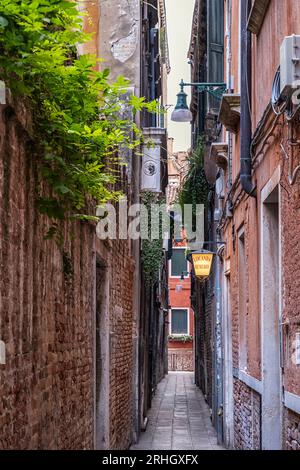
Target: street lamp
(181, 112)
(202, 262)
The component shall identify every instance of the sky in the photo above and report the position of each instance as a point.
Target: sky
(179, 23)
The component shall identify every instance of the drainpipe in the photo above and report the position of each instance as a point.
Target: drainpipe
(229, 82)
(153, 39)
(246, 128)
(219, 348)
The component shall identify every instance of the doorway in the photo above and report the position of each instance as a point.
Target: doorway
(101, 426)
(270, 320)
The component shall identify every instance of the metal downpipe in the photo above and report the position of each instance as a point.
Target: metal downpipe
(246, 130)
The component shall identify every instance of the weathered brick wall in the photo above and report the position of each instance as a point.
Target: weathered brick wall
(46, 398)
(121, 348)
(234, 296)
(208, 313)
(291, 430)
(180, 359)
(204, 340)
(47, 315)
(247, 409)
(290, 220)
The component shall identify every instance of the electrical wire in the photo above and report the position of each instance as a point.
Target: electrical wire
(278, 104)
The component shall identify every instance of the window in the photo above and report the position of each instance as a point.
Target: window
(178, 263)
(179, 321)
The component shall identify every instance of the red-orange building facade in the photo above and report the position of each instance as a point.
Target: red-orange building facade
(181, 315)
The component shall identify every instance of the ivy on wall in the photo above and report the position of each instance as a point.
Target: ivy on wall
(181, 338)
(195, 187)
(152, 249)
(77, 123)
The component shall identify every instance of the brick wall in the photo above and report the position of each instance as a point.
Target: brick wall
(121, 348)
(290, 219)
(291, 430)
(47, 314)
(204, 340)
(46, 322)
(247, 409)
(179, 358)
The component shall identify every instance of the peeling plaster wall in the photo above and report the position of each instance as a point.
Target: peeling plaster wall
(120, 38)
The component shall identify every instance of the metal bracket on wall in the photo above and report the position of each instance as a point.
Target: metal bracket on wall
(217, 90)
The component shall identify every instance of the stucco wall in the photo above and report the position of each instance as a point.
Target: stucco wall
(282, 19)
(120, 38)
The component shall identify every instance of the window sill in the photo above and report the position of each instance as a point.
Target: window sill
(230, 112)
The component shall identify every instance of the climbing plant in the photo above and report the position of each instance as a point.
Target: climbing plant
(181, 338)
(77, 115)
(152, 249)
(195, 187)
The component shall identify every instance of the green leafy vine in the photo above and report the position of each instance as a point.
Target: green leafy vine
(181, 338)
(152, 249)
(195, 187)
(77, 115)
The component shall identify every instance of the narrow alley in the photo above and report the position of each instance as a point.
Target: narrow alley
(149, 227)
(179, 417)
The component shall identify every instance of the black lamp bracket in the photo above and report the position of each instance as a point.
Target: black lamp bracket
(216, 90)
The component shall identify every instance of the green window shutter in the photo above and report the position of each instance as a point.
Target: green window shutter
(163, 46)
(178, 262)
(179, 322)
(215, 45)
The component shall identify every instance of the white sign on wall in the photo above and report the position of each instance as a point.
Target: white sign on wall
(2, 352)
(151, 160)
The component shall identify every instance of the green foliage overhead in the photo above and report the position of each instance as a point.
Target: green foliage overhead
(77, 115)
(195, 187)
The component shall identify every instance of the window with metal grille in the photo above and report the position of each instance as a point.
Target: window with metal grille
(178, 263)
(179, 321)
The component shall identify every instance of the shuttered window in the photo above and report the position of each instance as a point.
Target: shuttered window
(215, 45)
(179, 321)
(178, 263)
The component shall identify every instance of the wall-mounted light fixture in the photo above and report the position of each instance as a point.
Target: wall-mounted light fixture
(182, 112)
(202, 262)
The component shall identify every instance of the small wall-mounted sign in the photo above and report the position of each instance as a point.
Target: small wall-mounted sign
(151, 161)
(202, 262)
(297, 347)
(2, 353)
(2, 92)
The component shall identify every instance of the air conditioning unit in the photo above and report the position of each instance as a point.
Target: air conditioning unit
(289, 65)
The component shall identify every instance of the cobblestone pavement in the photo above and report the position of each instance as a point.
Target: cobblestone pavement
(179, 418)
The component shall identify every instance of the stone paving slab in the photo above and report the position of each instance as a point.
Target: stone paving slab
(179, 417)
